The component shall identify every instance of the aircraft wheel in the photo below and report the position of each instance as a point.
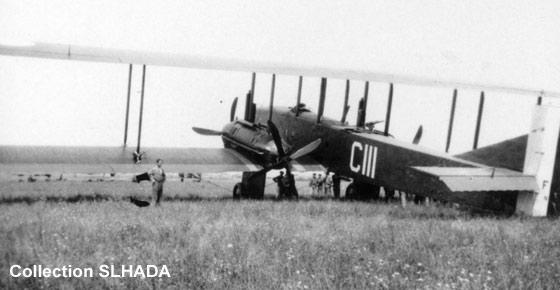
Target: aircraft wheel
(238, 191)
(362, 191)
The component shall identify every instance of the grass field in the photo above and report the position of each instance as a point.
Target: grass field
(213, 242)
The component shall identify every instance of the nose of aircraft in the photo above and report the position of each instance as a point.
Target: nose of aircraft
(271, 147)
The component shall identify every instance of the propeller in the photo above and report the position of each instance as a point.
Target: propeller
(210, 132)
(233, 108)
(418, 136)
(305, 149)
(276, 137)
(285, 158)
(207, 132)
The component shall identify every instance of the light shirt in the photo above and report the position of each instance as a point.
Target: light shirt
(157, 174)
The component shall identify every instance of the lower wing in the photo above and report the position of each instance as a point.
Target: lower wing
(60, 159)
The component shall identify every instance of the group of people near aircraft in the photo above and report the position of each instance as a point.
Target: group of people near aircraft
(321, 185)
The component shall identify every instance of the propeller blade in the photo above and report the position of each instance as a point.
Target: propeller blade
(418, 136)
(207, 132)
(276, 137)
(306, 149)
(233, 108)
(297, 154)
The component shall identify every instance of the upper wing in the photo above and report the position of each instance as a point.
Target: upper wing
(97, 54)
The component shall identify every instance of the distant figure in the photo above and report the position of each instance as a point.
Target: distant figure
(280, 182)
(313, 184)
(327, 184)
(157, 175)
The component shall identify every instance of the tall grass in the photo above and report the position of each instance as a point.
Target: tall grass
(280, 245)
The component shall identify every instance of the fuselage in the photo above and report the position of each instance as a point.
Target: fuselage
(366, 156)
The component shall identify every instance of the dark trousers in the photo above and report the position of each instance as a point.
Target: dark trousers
(157, 191)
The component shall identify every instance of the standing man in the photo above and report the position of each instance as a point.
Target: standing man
(157, 175)
(320, 184)
(328, 183)
(280, 182)
(313, 184)
(289, 183)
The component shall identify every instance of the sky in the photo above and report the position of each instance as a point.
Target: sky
(56, 102)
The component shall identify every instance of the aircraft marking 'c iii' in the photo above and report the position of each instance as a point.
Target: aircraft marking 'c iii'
(369, 159)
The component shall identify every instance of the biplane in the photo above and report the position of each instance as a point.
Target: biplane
(521, 174)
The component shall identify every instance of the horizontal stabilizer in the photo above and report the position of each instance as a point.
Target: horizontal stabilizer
(508, 154)
(461, 179)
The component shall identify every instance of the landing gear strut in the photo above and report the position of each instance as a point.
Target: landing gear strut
(251, 185)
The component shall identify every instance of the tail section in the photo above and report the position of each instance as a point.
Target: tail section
(536, 154)
(542, 160)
